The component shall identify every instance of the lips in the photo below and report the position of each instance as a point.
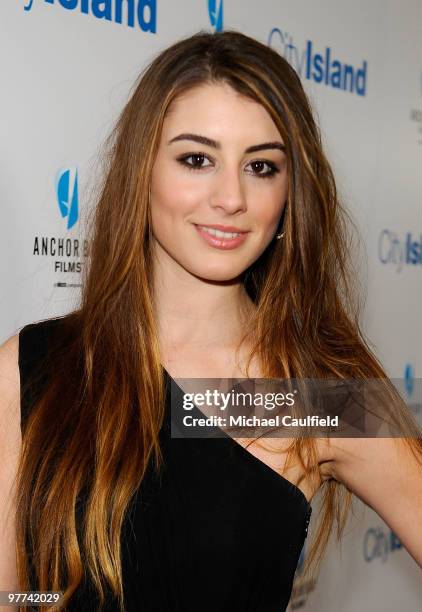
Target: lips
(218, 239)
(223, 228)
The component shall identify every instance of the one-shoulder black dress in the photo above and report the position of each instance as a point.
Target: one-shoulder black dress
(218, 531)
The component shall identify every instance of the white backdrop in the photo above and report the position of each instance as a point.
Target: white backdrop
(67, 72)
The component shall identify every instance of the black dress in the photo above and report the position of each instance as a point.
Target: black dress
(218, 531)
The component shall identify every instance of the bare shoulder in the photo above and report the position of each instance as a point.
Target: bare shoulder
(9, 373)
(9, 396)
(10, 431)
(10, 444)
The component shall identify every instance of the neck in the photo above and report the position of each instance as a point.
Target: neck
(197, 313)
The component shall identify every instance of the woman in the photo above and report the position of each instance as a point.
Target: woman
(218, 135)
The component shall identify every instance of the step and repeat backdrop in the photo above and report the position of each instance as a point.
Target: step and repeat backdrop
(67, 70)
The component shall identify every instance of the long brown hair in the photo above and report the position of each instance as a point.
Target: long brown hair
(95, 428)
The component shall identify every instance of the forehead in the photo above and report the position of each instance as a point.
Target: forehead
(218, 107)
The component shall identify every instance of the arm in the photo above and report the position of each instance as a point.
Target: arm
(10, 442)
(385, 475)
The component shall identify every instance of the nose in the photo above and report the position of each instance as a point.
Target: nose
(228, 194)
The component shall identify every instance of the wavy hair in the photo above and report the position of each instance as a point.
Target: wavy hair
(92, 438)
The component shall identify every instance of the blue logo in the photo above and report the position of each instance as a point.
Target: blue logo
(215, 11)
(319, 67)
(377, 544)
(67, 196)
(409, 379)
(396, 252)
(144, 12)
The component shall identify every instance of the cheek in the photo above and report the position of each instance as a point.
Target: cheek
(269, 201)
(167, 198)
(267, 217)
(278, 203)
(172, 207)
(163, 214)
(172, 191)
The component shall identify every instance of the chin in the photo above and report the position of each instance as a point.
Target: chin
(217, 275)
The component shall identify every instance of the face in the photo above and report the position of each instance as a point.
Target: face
(206, 174)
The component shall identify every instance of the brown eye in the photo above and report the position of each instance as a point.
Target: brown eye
(260, 164)
(198, 159)
(197, 162)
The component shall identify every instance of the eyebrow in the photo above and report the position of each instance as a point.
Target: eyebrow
(217, 145)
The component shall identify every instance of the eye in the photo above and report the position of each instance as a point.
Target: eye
(258, 165)
(197, 161)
